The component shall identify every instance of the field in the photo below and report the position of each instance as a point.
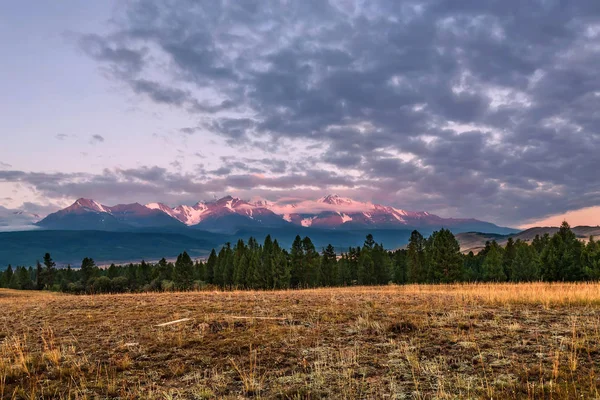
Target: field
(459, 341)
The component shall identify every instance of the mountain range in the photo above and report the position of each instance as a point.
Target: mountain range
(131, 232)
(230, 214)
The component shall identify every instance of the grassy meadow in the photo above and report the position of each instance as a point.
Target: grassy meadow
(501, 341)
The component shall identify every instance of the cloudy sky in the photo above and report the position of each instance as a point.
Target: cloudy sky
(486, 109)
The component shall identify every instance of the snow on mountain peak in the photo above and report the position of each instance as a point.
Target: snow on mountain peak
(334, 199)
(89, 204)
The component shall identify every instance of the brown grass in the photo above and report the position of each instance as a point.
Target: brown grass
(453, 341)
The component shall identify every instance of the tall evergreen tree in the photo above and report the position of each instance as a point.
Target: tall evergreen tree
(312, 263)
(328, 266)
(88, 270)
(493, 270)
(508, 257)
(415, 262)
(210, 267)
(49, 271)
(297, 263)
(526, 263)
(183, 274)
(282, 272)
(365, 268)
(446, 263)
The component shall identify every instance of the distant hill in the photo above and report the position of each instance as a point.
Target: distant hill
(475, 241)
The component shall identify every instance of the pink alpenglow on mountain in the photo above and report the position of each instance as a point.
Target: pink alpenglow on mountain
(328, 212)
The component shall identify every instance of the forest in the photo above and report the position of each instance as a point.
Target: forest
(268, 266)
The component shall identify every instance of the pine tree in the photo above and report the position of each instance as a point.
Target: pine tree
(210, 267)
(282, 273)
(88, 270)
(446, 263)
(382, 265)
(561, 258)
(228, 266)
(328, 265)
(415, 263)
(220, 267)
(590, 259)
(492, 265)
(472, 270)
(508, 257)
(183, 274)
(526, 264)
(8, 276)
(297, 263)
(240, 263)
(312, 263)
(39, 276)
(369, 242)
(253, 278)
(400, 257)
(49, 272)
(365, 268)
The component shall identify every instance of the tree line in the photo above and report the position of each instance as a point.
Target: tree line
(254, 265)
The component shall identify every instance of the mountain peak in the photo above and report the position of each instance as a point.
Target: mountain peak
(334, 199)
(88, 204)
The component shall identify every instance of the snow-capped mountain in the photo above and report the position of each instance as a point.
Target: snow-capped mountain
(231, 213)
(87, 214)
(228, 207)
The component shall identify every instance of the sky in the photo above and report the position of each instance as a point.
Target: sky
(484, 109)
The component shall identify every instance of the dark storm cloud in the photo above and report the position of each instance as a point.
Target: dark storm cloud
(5, 165)
(480, 108)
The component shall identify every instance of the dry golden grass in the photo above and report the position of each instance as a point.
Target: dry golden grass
(453, 341)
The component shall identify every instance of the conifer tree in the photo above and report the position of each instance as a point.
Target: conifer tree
(282, 273)
(183, 274)
(312, 263)
(415, 263)
(365, 268)
(297, 263)
(210, 267)
(508, 257)
(526, 264)
(493, 270)
(88, 269)
(328, 266)
(446, 263)
(39, 276)
(49, 271)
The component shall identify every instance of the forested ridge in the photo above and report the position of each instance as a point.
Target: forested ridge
(253, 265)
